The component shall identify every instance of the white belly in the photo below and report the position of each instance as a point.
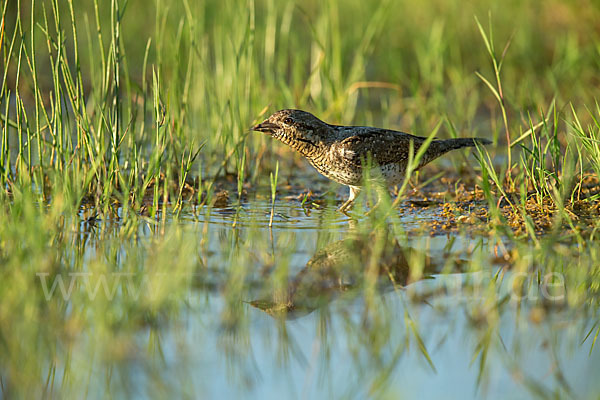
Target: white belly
(392, 173)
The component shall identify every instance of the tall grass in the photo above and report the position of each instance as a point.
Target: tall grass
(86, 85)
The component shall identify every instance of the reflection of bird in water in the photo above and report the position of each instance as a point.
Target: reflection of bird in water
(341, 267)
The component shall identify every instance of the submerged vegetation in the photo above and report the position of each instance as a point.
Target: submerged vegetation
(145, 228)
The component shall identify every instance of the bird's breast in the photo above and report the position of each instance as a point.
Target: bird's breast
(339, 169)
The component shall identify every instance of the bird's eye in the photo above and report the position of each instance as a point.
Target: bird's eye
(288, 121)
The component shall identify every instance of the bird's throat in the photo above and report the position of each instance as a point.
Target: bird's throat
(305, 147)
(306, 141)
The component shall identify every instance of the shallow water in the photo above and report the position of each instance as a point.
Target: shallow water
(333, 332)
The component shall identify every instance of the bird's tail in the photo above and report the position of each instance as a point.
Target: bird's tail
(459, 143)
(439, 147)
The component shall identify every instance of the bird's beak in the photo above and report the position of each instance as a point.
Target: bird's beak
(266, 127)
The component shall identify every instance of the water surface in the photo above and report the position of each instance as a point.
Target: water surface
(303, 310)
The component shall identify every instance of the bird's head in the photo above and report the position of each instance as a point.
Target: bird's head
(296, 128)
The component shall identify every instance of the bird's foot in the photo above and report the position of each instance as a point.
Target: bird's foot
(346, 206)
(372, 210)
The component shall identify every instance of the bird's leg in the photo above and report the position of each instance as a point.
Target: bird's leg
(354, 191)
(379, 189)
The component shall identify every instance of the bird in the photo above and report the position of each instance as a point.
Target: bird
(343, 153)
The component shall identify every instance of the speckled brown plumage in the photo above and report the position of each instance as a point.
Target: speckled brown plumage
(341, 152)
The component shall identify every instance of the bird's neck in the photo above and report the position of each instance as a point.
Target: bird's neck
(306, 148)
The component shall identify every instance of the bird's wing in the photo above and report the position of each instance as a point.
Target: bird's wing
(384, 146)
